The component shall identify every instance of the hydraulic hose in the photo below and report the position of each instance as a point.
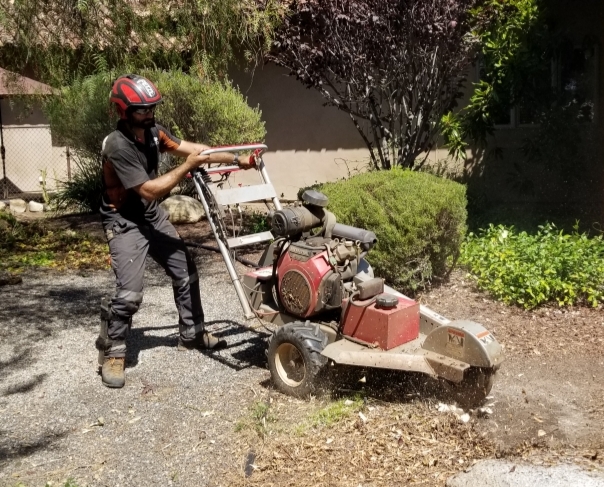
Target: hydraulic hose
(245, 262)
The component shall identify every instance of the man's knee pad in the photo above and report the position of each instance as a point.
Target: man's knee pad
(127, 303)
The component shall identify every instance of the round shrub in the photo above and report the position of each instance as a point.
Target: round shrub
(419, 220)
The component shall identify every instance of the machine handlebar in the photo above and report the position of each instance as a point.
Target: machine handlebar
(236, 148)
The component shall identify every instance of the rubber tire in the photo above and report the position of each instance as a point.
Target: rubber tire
(474, 388)
(309, 341)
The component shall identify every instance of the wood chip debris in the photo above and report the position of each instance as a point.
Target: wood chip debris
(403, 444)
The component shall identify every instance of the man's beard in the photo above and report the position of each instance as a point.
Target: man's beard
(147, 123)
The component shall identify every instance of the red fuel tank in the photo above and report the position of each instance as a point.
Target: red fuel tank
(385, 328)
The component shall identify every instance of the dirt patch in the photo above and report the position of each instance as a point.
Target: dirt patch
(553, 377)
(83, 222)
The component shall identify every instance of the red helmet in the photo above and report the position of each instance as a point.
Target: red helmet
(134, 91)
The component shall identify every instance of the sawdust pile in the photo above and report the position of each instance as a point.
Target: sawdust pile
(406, 444)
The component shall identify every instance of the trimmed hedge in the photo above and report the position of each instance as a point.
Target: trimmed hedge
(199, 110)
(419, 220)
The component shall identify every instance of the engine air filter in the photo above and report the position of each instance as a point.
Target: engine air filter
(295, 292)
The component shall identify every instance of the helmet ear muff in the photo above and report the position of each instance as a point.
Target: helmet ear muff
(121, 112)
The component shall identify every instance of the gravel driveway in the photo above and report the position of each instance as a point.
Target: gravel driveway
(173, 423)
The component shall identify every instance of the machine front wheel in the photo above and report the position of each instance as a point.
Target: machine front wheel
(294, 358)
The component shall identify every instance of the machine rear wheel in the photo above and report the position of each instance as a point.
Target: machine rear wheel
(294, 358)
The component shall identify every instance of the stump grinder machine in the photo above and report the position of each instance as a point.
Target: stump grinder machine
(314, 284)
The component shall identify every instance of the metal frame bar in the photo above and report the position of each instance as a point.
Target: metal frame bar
(224, 251)
(239, 148)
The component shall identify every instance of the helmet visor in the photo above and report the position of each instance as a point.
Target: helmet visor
(145, 110)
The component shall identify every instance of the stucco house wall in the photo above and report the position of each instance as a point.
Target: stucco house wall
(307, 142)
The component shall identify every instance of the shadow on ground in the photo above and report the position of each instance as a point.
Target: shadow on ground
(12, 449)
(43, 308)
(246, 347)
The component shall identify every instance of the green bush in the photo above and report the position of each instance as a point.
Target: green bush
(83, 192)
(80, 116)
(210, 112)
(419, 220)
(530, 270)
(213, 113)
(10, 230)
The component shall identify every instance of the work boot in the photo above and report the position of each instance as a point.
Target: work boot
(203, 341)
(112, 372)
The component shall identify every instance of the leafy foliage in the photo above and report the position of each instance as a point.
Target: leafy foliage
(195, 109)
(84, 191)
(80, 116)
(256, 222)
(419, 220)
(214, 113)
(58, 39)
(530, 270)
(24, 244)
(394, 66)
(514, 43)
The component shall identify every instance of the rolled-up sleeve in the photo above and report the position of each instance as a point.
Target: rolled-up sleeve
(167, 141)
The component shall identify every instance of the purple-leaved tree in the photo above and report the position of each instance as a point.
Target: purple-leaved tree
(395, 66)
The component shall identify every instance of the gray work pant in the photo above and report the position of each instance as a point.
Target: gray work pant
(129, 245)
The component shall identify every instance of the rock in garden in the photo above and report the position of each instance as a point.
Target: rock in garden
(17, 206)
(2, 205)
(35, 207)
(183, 209)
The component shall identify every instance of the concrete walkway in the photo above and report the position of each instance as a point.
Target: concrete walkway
(503, 473)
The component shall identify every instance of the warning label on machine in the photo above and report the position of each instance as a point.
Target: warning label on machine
(456, 338)
(485, 337)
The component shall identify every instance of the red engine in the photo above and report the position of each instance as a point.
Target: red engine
(308, 284)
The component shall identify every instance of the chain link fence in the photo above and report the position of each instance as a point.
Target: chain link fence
(32, 167)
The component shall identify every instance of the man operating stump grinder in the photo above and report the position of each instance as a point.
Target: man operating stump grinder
(135, 225)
